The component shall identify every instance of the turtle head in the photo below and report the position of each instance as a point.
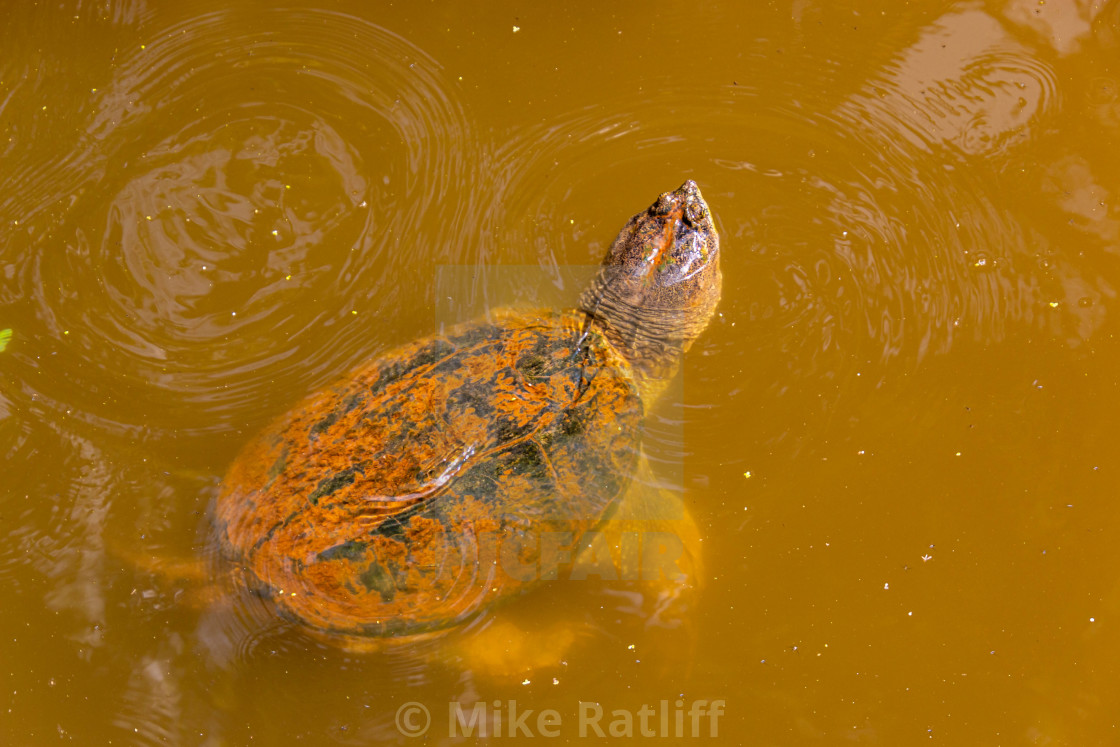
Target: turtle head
(660, 282)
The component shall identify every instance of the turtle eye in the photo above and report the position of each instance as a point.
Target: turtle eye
(694, 213)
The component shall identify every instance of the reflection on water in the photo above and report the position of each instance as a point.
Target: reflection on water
(206, 212)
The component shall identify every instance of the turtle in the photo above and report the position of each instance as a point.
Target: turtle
(460, 470)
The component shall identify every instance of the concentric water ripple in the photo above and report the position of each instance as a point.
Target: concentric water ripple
(197, 264)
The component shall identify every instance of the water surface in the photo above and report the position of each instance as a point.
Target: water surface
(896, 439)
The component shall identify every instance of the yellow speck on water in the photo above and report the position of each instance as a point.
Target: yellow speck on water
(287, 186)
(275, 233)
(143, 46)
(355, 313)
(516, 29)
(1053, 304)
(747, 474)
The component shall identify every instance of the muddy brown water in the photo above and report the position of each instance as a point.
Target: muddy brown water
(897, 439)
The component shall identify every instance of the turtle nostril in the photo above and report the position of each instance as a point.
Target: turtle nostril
(689, 189)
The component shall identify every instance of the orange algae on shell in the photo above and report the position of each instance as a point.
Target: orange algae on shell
(420, 488)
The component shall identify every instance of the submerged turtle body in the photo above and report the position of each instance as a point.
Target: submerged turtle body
(464, 468)
(385, 504)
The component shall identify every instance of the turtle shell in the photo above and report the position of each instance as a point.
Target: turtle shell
(438, 479)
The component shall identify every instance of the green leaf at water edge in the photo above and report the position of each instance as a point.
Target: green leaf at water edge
(5, 336)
